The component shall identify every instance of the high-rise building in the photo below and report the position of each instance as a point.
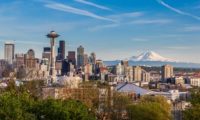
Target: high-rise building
(46, 49)
(19, 60)
(72, 57)
(80, 56)
(130, 73)
(9, 51)
(86, 59)
(145, 76)
(93, 58)
(65, 67)
(119, 69)
(46, 53)
(87, 71)
(3, 66)
(167, 72)
(124, 63)
(30, 60)
(58, 67)
(137, 73)
(61, 50)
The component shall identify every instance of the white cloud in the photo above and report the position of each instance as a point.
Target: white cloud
(192, 28)
(99, 27)
(177, 10)
(155, 21)
(93, 4)
(125, 16)
(69, 9)
(129, 14)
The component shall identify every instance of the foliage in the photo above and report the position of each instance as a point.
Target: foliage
(33, 87)
(61, 110)
(15, 106)
(146, 111)
(158, 99)
(120, 103)
(150, 108)
(16, 103)
(195, 96)
(193, 112)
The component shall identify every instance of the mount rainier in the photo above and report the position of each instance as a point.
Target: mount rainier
(151, 58)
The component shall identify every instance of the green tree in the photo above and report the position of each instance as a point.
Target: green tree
(14, 106)
(17, 103)
(61, 110)
(120, 103)
(193, 113)
(150, 108)
(161, 101)
(195, 96)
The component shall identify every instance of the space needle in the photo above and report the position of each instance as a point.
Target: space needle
(52, 35)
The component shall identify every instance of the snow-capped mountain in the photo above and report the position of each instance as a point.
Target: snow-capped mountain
(150, 56)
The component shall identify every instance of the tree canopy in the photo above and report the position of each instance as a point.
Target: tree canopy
(193, 113)
(19, 104)
(150, 108)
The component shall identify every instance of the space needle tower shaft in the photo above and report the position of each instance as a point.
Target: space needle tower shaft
(52, 35)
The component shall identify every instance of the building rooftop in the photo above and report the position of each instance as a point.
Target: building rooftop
(129, 87)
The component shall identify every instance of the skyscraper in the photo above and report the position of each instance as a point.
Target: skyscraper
(145, 76)
(80, 56)
(61, 50)
(30, 60)
(65, 67)
(46, 53)
(93, 58)
(125, 63)
(9, 51)
(137, 73)
(167, 72)
(119, 69)
(19, 60)
(86, 59)
(72, 57)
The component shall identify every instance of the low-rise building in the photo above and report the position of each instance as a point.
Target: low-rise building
(195, 82)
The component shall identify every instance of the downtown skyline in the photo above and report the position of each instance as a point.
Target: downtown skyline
(112, 29)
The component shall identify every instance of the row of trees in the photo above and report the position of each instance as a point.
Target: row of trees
(150, 108)
(147, 108)
(24, 103)
(18, 103)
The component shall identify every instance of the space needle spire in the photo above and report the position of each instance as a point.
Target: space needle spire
(52, 35)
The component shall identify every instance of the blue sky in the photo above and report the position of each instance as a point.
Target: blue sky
(114, 29)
